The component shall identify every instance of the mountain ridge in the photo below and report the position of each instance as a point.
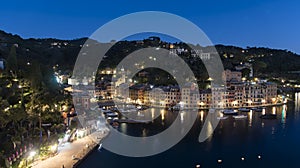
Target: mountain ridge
(52, 51)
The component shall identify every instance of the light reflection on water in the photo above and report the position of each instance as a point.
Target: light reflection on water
(274, 110)
(201, 115)
(263, 111)
(123, 128)
(250, 118)
(231, 140)
(283, 115)
(253, 119)
(297, 105)
(182, 116)
(162, 113)
(297, 102)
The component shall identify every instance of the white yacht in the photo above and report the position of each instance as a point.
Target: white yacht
(240, 117)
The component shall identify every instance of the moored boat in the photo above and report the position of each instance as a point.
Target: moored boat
(258, 109)
(244, 109)
(112, 114)
(229, 112)
(222, 118)
(240, 117)
(106, 111)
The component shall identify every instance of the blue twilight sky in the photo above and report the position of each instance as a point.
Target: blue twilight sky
(266, 23)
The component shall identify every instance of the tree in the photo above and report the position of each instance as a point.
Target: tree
(246, 72)
(12, 65)
(258, 66)
(35, 76)
(4, 120)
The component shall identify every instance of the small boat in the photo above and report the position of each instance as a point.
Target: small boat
(129, 111)
(222, 118)
(112, 114)
(240, 117)
(244, 109)
(229, 112)
(106, 111)
(100, 146)
(176, 107)
(258, 110)
(268, 116)
(114, 109)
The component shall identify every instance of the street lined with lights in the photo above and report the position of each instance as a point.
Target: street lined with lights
(67, 151)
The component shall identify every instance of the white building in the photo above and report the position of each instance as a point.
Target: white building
(2, 64)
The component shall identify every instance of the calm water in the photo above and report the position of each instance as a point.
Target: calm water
(277, 141)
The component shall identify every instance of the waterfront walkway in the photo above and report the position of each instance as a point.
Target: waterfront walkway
(69, 153)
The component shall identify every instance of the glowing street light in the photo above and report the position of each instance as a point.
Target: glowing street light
(32, 154)
(210, 79)
(201, 103)
(53, 148)
(181, 104)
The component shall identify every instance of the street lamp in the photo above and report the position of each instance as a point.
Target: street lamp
(53, 148)
(202, 104)
(32, 153)
(181, 104)
(273, 100)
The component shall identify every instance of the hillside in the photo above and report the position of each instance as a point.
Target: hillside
(49, 52)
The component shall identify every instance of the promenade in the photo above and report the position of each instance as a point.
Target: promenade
(69, 153)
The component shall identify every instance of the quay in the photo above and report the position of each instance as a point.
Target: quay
(130, 121)
(69, 154)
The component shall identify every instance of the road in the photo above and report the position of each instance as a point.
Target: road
(68, 151)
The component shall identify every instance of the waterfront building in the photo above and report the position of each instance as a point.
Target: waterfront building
(235, 93)
(111, 91)
(82, 99)
(236, 90)
(218, 96)
(270, 92)
(173, 95)
(157, 97)
(187, 92)
(229, 75)
(205, 98)
(253, 94)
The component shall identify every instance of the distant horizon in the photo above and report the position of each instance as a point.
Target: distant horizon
(164, 38)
